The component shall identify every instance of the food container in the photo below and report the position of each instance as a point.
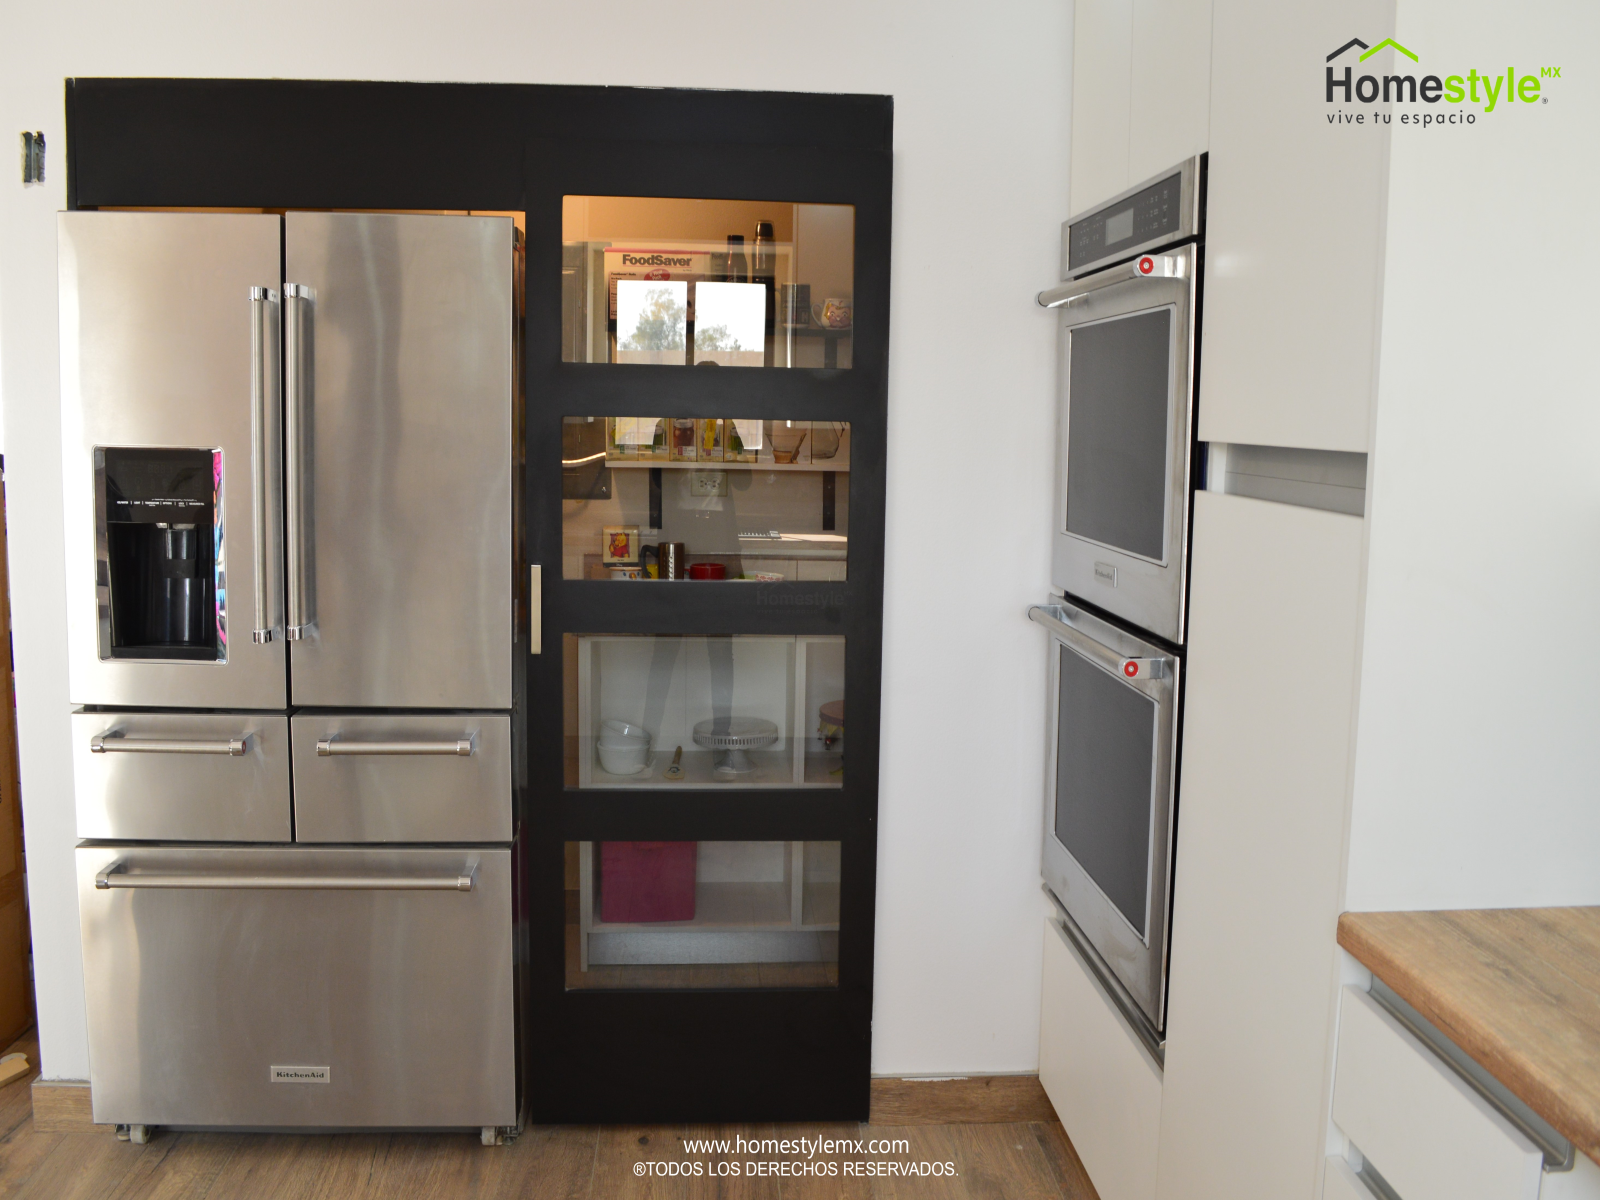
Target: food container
(625, 758)
(708, 571)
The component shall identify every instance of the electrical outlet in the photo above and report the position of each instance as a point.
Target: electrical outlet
(708, 483)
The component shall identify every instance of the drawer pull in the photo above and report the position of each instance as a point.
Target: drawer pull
(333, 746)
(115, 877)
(117, 744)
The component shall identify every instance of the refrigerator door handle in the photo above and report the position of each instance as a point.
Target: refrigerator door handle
(299, 304)
(332, 747)
(266, 468)
(116, 877)
(115, 743)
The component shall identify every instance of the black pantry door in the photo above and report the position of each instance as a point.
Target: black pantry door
(706, 367)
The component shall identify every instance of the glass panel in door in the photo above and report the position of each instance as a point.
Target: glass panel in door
(659, 281)
(406, 459)
(1105, 762)
(704, 500)
(713, 914)
(678, 712)
(1118, 403)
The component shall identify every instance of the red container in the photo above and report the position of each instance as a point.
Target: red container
(647, 881)
(707, 571)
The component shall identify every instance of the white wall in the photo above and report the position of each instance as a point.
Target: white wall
(981, 126)
(1479, 739)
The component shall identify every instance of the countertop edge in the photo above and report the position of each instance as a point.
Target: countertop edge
(1482, 1044)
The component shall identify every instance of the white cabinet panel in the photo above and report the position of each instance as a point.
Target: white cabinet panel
(1339, 1182)
(1105, 1087)
(1102, 34)
(1294, 236)
(1274, 600)
(1170, 84)
(1580, 1183)
(1427, 1133)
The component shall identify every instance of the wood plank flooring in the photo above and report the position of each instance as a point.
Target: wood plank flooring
(1017, 1160)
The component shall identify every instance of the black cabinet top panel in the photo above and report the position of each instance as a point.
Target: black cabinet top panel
(315, 144)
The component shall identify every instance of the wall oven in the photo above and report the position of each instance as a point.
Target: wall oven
(1129, 339)
(1111, 795)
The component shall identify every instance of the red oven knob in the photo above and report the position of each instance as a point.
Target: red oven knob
(1146, 265)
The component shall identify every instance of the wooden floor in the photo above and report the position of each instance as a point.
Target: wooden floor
(1015, 1160)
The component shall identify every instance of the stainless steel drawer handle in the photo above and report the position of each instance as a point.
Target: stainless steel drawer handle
(333, 746)
(115, 877)
(116, 744)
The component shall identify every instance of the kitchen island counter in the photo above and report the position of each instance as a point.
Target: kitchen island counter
(1516, 989)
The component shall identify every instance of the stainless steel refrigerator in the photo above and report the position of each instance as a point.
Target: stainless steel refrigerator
(288, 469)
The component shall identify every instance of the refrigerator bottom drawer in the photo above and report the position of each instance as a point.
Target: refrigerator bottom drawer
(299, 987)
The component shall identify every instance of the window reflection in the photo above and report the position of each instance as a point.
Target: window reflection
(737, 283)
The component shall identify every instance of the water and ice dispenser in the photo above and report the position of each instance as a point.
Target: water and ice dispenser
(161, 581)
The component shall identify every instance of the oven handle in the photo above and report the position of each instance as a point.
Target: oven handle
(1133, 669)
(1146, 266)
(299, 313)
(117, 744)
(266, 333)
(115, 877)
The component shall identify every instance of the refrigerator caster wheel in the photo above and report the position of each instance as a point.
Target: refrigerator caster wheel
(122, 1133)
(490, 1135)
(138, 1134)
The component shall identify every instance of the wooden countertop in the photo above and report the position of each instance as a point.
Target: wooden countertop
(1518, 989)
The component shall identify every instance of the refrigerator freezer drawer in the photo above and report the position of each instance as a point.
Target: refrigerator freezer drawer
(401, 778)
(199, 777)
(299, 986)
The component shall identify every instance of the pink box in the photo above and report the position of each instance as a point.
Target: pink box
(647, 881)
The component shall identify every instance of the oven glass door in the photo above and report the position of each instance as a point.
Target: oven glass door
(1109, 800)
(1127, 352)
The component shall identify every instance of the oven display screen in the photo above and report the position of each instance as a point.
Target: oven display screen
(1150, 214)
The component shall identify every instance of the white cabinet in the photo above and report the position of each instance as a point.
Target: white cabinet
(1424, 1130)
(1102, 46)
(1274, 601)
(1141, 74)
(1105, 1087)
(1294, 231)
(1169, 84)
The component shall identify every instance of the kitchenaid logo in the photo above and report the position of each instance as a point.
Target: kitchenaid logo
(1344, 87)
(300, 1074)
(655, 260)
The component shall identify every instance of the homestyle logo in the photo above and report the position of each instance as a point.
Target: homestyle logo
(655, 260)
(770, 595)
(1344, 87)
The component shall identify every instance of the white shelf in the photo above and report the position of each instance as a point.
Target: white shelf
(774, 920)
(774, 769)
(667, 464)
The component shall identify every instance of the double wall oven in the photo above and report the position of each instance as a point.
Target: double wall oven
(1129, 311)
(289, 476)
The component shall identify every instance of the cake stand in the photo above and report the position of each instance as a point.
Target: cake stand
(736, 736)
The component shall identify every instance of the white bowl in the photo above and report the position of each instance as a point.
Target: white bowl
(624, 760)
(623, 731)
